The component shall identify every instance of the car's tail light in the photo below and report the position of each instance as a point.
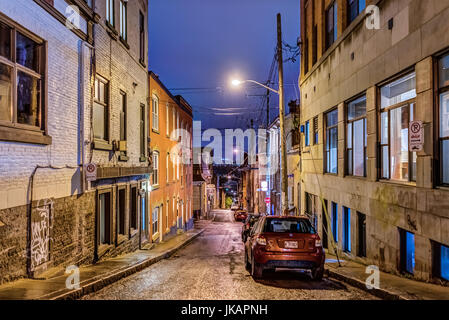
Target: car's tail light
(318, 243)
(261, 241)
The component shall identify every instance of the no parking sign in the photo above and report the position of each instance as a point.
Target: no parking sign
(416, 136)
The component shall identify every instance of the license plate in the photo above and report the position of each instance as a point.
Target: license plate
(291, 244)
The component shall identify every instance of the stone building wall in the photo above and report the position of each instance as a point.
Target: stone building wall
(357, 63)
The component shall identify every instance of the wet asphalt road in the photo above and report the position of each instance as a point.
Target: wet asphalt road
(212, 267)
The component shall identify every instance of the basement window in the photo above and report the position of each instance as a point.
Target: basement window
(407, 251)
(440, 261)
(335, 221)
(346, 229)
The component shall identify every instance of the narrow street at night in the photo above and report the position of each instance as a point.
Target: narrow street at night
(212, 268)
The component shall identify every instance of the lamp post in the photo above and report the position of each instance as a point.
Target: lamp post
(280, 92)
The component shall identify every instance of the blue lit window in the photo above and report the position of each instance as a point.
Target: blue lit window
(407, 247)
(445, 262)
(307, 129)
(347, 229)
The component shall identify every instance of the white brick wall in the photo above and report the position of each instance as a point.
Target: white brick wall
(17, 160)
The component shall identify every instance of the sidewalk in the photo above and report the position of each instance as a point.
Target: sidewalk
(95, 277)
(392, 287)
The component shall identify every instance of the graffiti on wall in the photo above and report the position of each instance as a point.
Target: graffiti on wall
(40, 233)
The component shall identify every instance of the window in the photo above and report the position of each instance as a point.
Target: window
(290, 225)
(361, 240)
(155, 220)
(306, 55)
(167, 120)
(331, 24)
(167, 161)
(101, 109)
(155, 168)
(315, 130)
(307, 134)
(346, 229)
(105, 221)
(397, 110)
(123, 120)
(155, 113)
(142, 132)
(355, 7)
(22, 71)
(123, 20)
(174, 125)
(444, 119)
(110, 12)
(174, 168)
(407, 251)
(177, 167)
(356, 139)
(142, 37)
(440, 263)
(121, 211)
(332, 141)
(167, 214)
(133, 208)
(335, 221)
(315, 45)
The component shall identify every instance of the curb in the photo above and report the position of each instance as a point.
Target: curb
(95, 285)
(380, 293)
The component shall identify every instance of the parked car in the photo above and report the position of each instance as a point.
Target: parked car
(240, 215)
(248, 224)
(284, 242)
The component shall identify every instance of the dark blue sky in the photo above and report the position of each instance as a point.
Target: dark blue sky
(205, 43)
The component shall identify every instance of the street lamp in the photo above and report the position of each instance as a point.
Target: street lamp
(237, 83)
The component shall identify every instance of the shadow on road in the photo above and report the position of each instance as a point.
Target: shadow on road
(292, 279)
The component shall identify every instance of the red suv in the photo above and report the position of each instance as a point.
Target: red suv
(284, 242)
(240, 215)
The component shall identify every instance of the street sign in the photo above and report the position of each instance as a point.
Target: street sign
(267, 200)
(416, 136)
(91, 171)
(264, 185)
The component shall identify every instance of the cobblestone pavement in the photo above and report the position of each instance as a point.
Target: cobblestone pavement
(212, 268)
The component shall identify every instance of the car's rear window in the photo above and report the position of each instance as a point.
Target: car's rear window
(288, 226)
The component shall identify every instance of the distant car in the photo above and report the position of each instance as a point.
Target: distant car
(284, 242)
(240, 215)
(248, 224)
(235, 207)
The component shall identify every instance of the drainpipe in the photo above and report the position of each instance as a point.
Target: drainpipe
(84, 44)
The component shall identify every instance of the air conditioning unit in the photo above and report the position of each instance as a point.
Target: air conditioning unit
(122, 146)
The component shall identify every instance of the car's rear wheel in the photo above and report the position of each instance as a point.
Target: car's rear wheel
(317, 274)
(256, 269)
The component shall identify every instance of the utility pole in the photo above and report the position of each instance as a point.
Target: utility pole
(284, 182)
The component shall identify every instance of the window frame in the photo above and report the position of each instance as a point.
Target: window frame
(349, 21)
(108, 237)
(155, 222)
(123, 6)
(326, 141)
(106, 106)
(440, 91)
(365, 142)
(156, 159)
(407, 103)
(110, 13)
(12, 130)
(155, 115)
(142, 38)
(328, 41)
(143, 132)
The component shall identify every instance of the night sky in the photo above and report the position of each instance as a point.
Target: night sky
(199, 46)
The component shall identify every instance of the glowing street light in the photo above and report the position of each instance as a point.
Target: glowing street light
(237, 83)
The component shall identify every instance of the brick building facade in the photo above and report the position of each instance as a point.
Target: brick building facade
(77, 75)
(363, 87)
(170, 132)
